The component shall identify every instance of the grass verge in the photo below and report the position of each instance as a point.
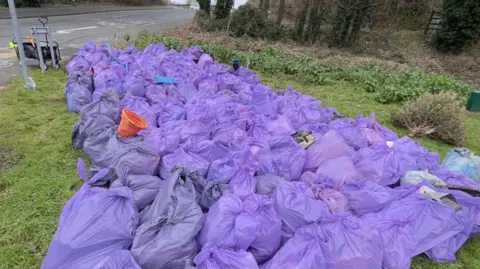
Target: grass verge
(35, 130)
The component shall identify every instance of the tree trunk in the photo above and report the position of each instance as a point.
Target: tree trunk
(281, 12)
(205, 6)
(266, 5)
(314, 22)
(301, 20)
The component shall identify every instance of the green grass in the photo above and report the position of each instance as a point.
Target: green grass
(38, 175)
(35, 129)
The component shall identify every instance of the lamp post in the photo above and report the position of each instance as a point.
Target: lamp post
(29, 83)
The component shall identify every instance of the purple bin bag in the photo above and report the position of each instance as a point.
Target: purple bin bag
(310, 247)
(209, 150)
(97, 225)
(77, 96)
(334, 199)
(122, 155)
(243, 181)
(83, 77)
(268, 238)
(118, 259)
(384, 165)
(411, 226)
(202, 110)
(166, 235)
(156, 93)
(203, 60)
(257, 128)
(262, 102)
(212, 257)
(82, 193)
(168, 111)
(468, 216)
(230, 224)
(324, 189)
(339, 169)
(160, 143)
(297, 207)
(77, 63)
(319, 180)
(197, 129)
(423, 158)
(279, 125)
(356, 246)
(363, 132)
(366, 196)
(89, 126)
(266, 184)
(453, 178)
(223, 170)
(108, 105)
(186, 90)
(287, 156)
(329, 146)
(134, 85)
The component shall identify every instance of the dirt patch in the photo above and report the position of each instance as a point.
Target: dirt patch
(55, 100)
(8, 158)
(399, 50)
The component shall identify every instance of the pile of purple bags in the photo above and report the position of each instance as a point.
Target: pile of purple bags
(218, 181)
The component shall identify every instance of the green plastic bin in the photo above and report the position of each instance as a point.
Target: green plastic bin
(473, 103)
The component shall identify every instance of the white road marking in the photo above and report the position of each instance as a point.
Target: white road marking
(6, 63)
(67, 31)
(112, 24)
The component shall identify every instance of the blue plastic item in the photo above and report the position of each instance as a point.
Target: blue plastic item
(463, 161)
(115, 59)
(165, 80)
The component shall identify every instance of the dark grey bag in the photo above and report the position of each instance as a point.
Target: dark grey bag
(108, 104)
(88, 127)
(144, 188)
(122, 155)
(166, 236)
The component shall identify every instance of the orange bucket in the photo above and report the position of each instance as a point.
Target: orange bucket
(130, 124)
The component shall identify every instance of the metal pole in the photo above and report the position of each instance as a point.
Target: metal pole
(29, 83)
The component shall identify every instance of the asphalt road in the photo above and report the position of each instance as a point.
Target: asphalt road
(72, 31)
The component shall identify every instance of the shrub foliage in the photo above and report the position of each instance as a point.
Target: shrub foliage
(460, 25)
(434, 115)
(251, 21)
(223, 8)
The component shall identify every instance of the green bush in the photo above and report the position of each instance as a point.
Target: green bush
(134, 2)
(249, 20)
(205, 6)
(215, 25)
(386, 86)
(460, 25)
(21, 3)
(222, 9)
